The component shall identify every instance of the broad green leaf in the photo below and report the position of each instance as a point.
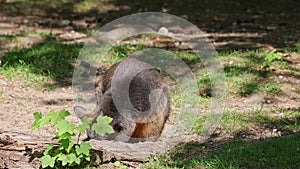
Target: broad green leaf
(66, 144)
(77, 160)
(37, 118)
(53, 117)
(65, 127)
(64, 159)
(57, 116)
(83, 148)
(64, 136)
(86, 121)
(85, 124)
(37, 115)
(71, 159)
(45, 120)
(106, 118)
(48, 150)
(47, 161)
(57, 152)
(88, 158)
(102, 125)
(81, 129)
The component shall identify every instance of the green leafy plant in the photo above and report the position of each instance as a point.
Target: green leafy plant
(69, 153)
(272, 57)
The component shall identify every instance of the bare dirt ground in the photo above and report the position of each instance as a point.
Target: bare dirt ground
(238, 26)
(18, 103)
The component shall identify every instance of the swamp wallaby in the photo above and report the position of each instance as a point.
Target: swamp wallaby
(149, 97)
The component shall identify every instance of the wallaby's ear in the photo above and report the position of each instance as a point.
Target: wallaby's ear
(80, 111)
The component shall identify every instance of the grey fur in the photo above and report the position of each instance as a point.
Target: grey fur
(145, 88)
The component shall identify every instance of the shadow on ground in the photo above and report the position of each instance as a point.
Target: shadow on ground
(233, 25)
(279, 152)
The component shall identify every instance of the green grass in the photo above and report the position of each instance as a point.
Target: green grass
(120, 52)
(41, 63)
(294, 48)
(289, 121)
(248, 72)
(4, 39)
(297, 46)
(282, 152)
(176, 98)
(188, 57)
(272, 88)
(245, 75)
(233, 122)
